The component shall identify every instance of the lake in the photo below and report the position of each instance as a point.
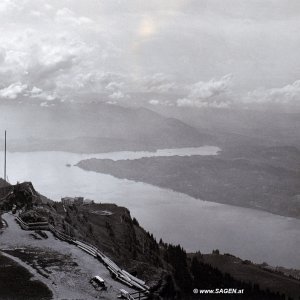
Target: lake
(177, 218)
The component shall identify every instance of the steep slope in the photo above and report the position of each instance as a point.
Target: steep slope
(170, 272)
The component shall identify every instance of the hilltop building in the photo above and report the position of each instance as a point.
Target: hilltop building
(72, 200)
(78, 200)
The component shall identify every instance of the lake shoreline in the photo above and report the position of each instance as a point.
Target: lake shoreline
(211, 178)
(259, 209)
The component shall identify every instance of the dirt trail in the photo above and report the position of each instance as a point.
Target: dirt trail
(64, 268)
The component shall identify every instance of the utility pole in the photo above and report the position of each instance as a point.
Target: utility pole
(5, 157)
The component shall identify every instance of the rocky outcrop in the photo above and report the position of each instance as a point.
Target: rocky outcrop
(20, 196)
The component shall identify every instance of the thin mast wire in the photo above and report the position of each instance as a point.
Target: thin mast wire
(5, 158)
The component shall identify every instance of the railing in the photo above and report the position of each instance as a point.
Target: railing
(33, 226)
(118, 273)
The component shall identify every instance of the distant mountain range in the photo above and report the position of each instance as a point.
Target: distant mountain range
(241, 126)
(96, 127)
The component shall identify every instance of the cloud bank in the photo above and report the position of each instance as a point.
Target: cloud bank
(13, 90)
(208, 94)
(69, 50)
(284, 95)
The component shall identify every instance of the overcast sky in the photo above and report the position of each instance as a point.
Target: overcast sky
(208, 52)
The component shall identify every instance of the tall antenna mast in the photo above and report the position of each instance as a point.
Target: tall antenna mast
(5, 158)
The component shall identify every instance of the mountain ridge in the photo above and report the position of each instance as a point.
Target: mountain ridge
(96, 127)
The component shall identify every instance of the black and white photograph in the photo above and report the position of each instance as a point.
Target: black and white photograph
(150, 149)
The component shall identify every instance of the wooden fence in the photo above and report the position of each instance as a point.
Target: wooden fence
(116, 272)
